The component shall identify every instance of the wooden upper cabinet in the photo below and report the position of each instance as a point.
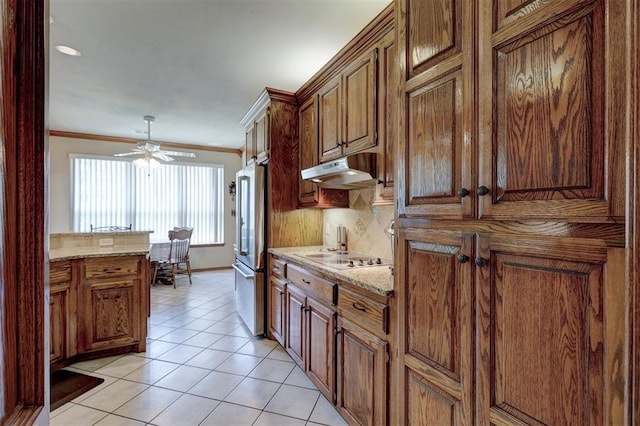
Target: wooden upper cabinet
(387, 100)
(310, 195)
(551, 133)
(330, 119)
(250, 145)
(548, 142)
(262, 139)
(308, 140)
(551, 332)
(359, 103)
(436, 155)
(347, 109)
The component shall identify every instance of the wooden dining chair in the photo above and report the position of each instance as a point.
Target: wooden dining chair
(180, 241)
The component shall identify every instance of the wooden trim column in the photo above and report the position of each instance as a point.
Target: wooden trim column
(24, 289)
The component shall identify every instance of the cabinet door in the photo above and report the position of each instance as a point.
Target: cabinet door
(321, 350)
(551, 134)
(435, 360)
(308, 141)
(436, 153)
(62, 310)
(359, 81)
(109, 318)
(250, 145)
(362, 375)
(277, 309)
(58, 322)
(262, 139)
(551, 330)
(387, 100)
(330, 119)
(295, 330)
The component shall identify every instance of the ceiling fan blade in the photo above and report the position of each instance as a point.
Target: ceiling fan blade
(149, 146)
(162, 156)
(178, 153)
(126, 154)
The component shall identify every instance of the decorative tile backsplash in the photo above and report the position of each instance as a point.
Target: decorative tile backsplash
(365, 223)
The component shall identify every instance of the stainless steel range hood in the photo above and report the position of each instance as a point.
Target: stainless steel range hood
(351, 172)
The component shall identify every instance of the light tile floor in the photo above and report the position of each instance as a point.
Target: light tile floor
(201, 367)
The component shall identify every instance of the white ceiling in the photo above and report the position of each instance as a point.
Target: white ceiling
(197, 65)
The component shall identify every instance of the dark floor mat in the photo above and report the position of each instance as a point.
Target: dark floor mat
(67, 385)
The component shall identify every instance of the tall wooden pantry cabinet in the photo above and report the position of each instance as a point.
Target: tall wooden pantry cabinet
(514, 276)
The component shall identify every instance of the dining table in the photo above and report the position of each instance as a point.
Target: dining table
(159, 252)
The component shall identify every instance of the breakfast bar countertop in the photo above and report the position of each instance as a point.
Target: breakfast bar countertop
(84, 252)
(377, 279)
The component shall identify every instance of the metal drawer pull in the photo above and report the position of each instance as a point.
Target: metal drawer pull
(359, 307)
(306, 281)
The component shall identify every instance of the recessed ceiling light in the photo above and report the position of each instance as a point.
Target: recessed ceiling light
(67, 50)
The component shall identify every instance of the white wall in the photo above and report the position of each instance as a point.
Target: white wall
(60, 191)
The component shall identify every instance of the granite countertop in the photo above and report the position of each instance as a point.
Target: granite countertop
(377, 279)
(82, 252)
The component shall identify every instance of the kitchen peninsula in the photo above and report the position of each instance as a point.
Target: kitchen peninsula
(99, 294)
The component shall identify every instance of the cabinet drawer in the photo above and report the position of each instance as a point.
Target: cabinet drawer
(105, 267)
(59, 272)
(278, 267)
(364, 311)
(310, 282)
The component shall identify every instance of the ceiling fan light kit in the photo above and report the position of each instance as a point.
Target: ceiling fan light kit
(152, 151)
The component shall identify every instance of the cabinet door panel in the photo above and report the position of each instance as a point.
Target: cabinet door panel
(437, 162)
(277, 309)
(109, 319)
(295, 325)
(329, 119)
(262, 138)
(435, 319)
(433, 34)
(429, 405)
(542, 334)
(359, 114)
(58, 323)
(545, 150)
(321, 326)
(308, 148)
(387, 119)
(362, 372)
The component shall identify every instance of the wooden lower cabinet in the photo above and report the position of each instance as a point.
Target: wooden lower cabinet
(362, 366)
(551, 331)
(62, 305)
(435, 328)
(499, 328)
(321, 347)
(311, 338)
(277, 309)
(97, 304)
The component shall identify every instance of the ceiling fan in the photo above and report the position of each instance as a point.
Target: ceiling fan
(152, 151)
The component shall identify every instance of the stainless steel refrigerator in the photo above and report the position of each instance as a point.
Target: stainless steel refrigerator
(250, 247)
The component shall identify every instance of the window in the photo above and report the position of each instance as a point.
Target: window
(113, 192)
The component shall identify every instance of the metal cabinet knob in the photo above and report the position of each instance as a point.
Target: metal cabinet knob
(463, 192)
(481, 262)
(463, 258)
(482, 190)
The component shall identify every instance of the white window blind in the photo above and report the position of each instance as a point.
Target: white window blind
(112, 192)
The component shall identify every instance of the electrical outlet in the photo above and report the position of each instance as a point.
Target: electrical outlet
(106, 242)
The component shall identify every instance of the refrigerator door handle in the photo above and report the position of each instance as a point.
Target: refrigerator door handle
(241, 272)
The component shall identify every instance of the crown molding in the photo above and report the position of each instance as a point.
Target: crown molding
(103, 138)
